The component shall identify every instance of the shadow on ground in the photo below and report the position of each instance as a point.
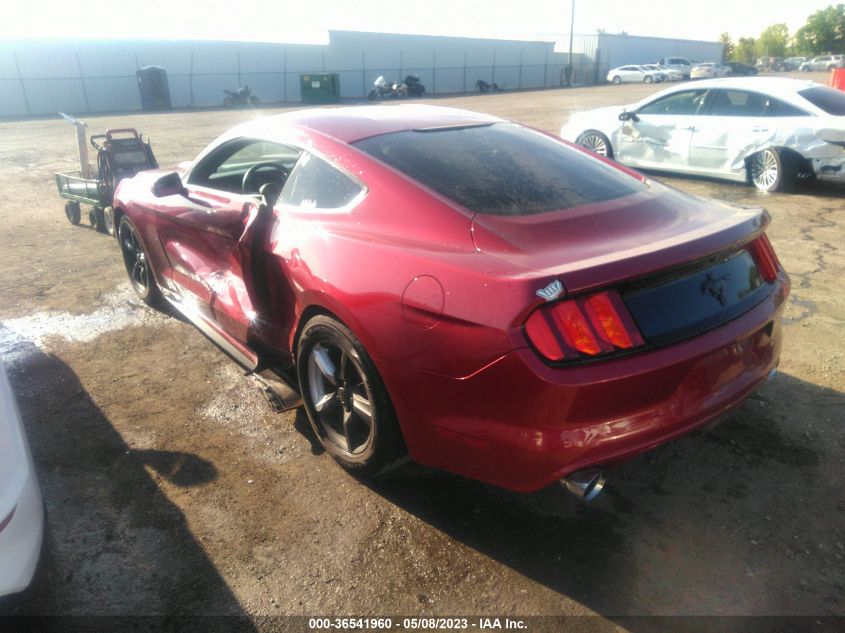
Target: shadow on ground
(695, 527)
(115, 545)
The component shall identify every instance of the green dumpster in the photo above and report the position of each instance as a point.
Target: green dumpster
(320, 87)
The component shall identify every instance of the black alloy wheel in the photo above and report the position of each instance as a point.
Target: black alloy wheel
(137, 264)
(346, 401)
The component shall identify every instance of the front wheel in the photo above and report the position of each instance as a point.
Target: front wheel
(596, 142)
(372, 95)
(346, 401)
(137, 264)
(617, 80)
(772, 170)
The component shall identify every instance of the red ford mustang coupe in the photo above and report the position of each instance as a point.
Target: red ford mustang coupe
(461, 290)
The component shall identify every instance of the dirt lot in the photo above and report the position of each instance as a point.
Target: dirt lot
(172, 489)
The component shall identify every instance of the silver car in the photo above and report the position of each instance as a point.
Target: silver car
(633, 74)
(709, 70)
(824, 62)
(769, 131)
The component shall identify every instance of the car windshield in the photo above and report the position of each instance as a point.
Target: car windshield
(501, 169)
(828, 99)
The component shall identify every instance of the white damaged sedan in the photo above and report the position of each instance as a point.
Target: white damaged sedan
(769, 131)
(21, 510)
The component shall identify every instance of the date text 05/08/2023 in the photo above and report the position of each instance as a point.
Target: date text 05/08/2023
(418, 624)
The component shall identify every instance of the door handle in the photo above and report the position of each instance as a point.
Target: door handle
(759, 129)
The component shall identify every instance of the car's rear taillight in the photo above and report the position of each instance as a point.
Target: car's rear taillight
(588, 326)
(764, 256)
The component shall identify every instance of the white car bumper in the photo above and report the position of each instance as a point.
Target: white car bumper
(20, 540)
(21, 509)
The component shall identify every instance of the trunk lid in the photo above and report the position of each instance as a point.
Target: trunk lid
(616, 241)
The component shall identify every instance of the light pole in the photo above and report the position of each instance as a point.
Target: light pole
(568, 70)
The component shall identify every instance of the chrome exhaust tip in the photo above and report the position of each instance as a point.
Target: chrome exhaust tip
(585, 484)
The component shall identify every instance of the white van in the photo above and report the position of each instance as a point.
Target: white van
(681, 64)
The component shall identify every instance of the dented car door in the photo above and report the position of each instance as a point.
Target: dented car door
(658, 134)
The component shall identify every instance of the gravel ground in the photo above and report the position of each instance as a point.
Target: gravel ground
(172, 488)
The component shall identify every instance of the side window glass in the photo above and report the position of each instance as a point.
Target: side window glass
(677, 103)
(780, 108)
(314, 184)
(224, 168)
(737, 103)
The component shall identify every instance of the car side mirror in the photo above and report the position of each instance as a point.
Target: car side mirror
(629, 116)
(168, 185)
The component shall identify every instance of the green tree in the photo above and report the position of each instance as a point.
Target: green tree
(773, 41)
(744, 50)
(728, 51)
(824, 31)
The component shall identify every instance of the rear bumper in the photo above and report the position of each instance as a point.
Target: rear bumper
(520, 424)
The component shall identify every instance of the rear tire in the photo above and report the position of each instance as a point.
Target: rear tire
(346, 401)
(596, 142)
(96, 219)
(108, 221)
(73, 212)
(772, 169)
(648, 79)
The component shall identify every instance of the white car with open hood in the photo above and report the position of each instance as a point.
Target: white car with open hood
(769, 131)
(21, 510)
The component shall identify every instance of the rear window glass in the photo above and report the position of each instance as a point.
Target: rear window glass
(501, 169)
(828, 99)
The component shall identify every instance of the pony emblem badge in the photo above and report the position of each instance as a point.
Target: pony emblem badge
(552, 291)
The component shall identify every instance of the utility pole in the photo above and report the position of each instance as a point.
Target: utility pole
(568, 70)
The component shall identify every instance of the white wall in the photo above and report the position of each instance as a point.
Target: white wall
(44, 77)
(619, 50)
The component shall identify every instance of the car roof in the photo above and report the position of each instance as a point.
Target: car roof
(354, 123)
(776, 86)
(782, 88)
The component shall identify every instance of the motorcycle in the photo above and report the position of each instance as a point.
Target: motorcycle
(483, 86)
(413, 86)
(383, 89)
(240, 97)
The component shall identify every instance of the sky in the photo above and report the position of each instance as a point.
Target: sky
(307, 21)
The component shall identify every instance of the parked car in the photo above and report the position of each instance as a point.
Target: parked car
(21, 509)
(635, 74)
(790, 64)
(449, 286)
(741, 70)
(709, 70)
(671, 73)
(681, 64)
(770, 131)
(663, 76)
(823, 62)
(767, 63)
